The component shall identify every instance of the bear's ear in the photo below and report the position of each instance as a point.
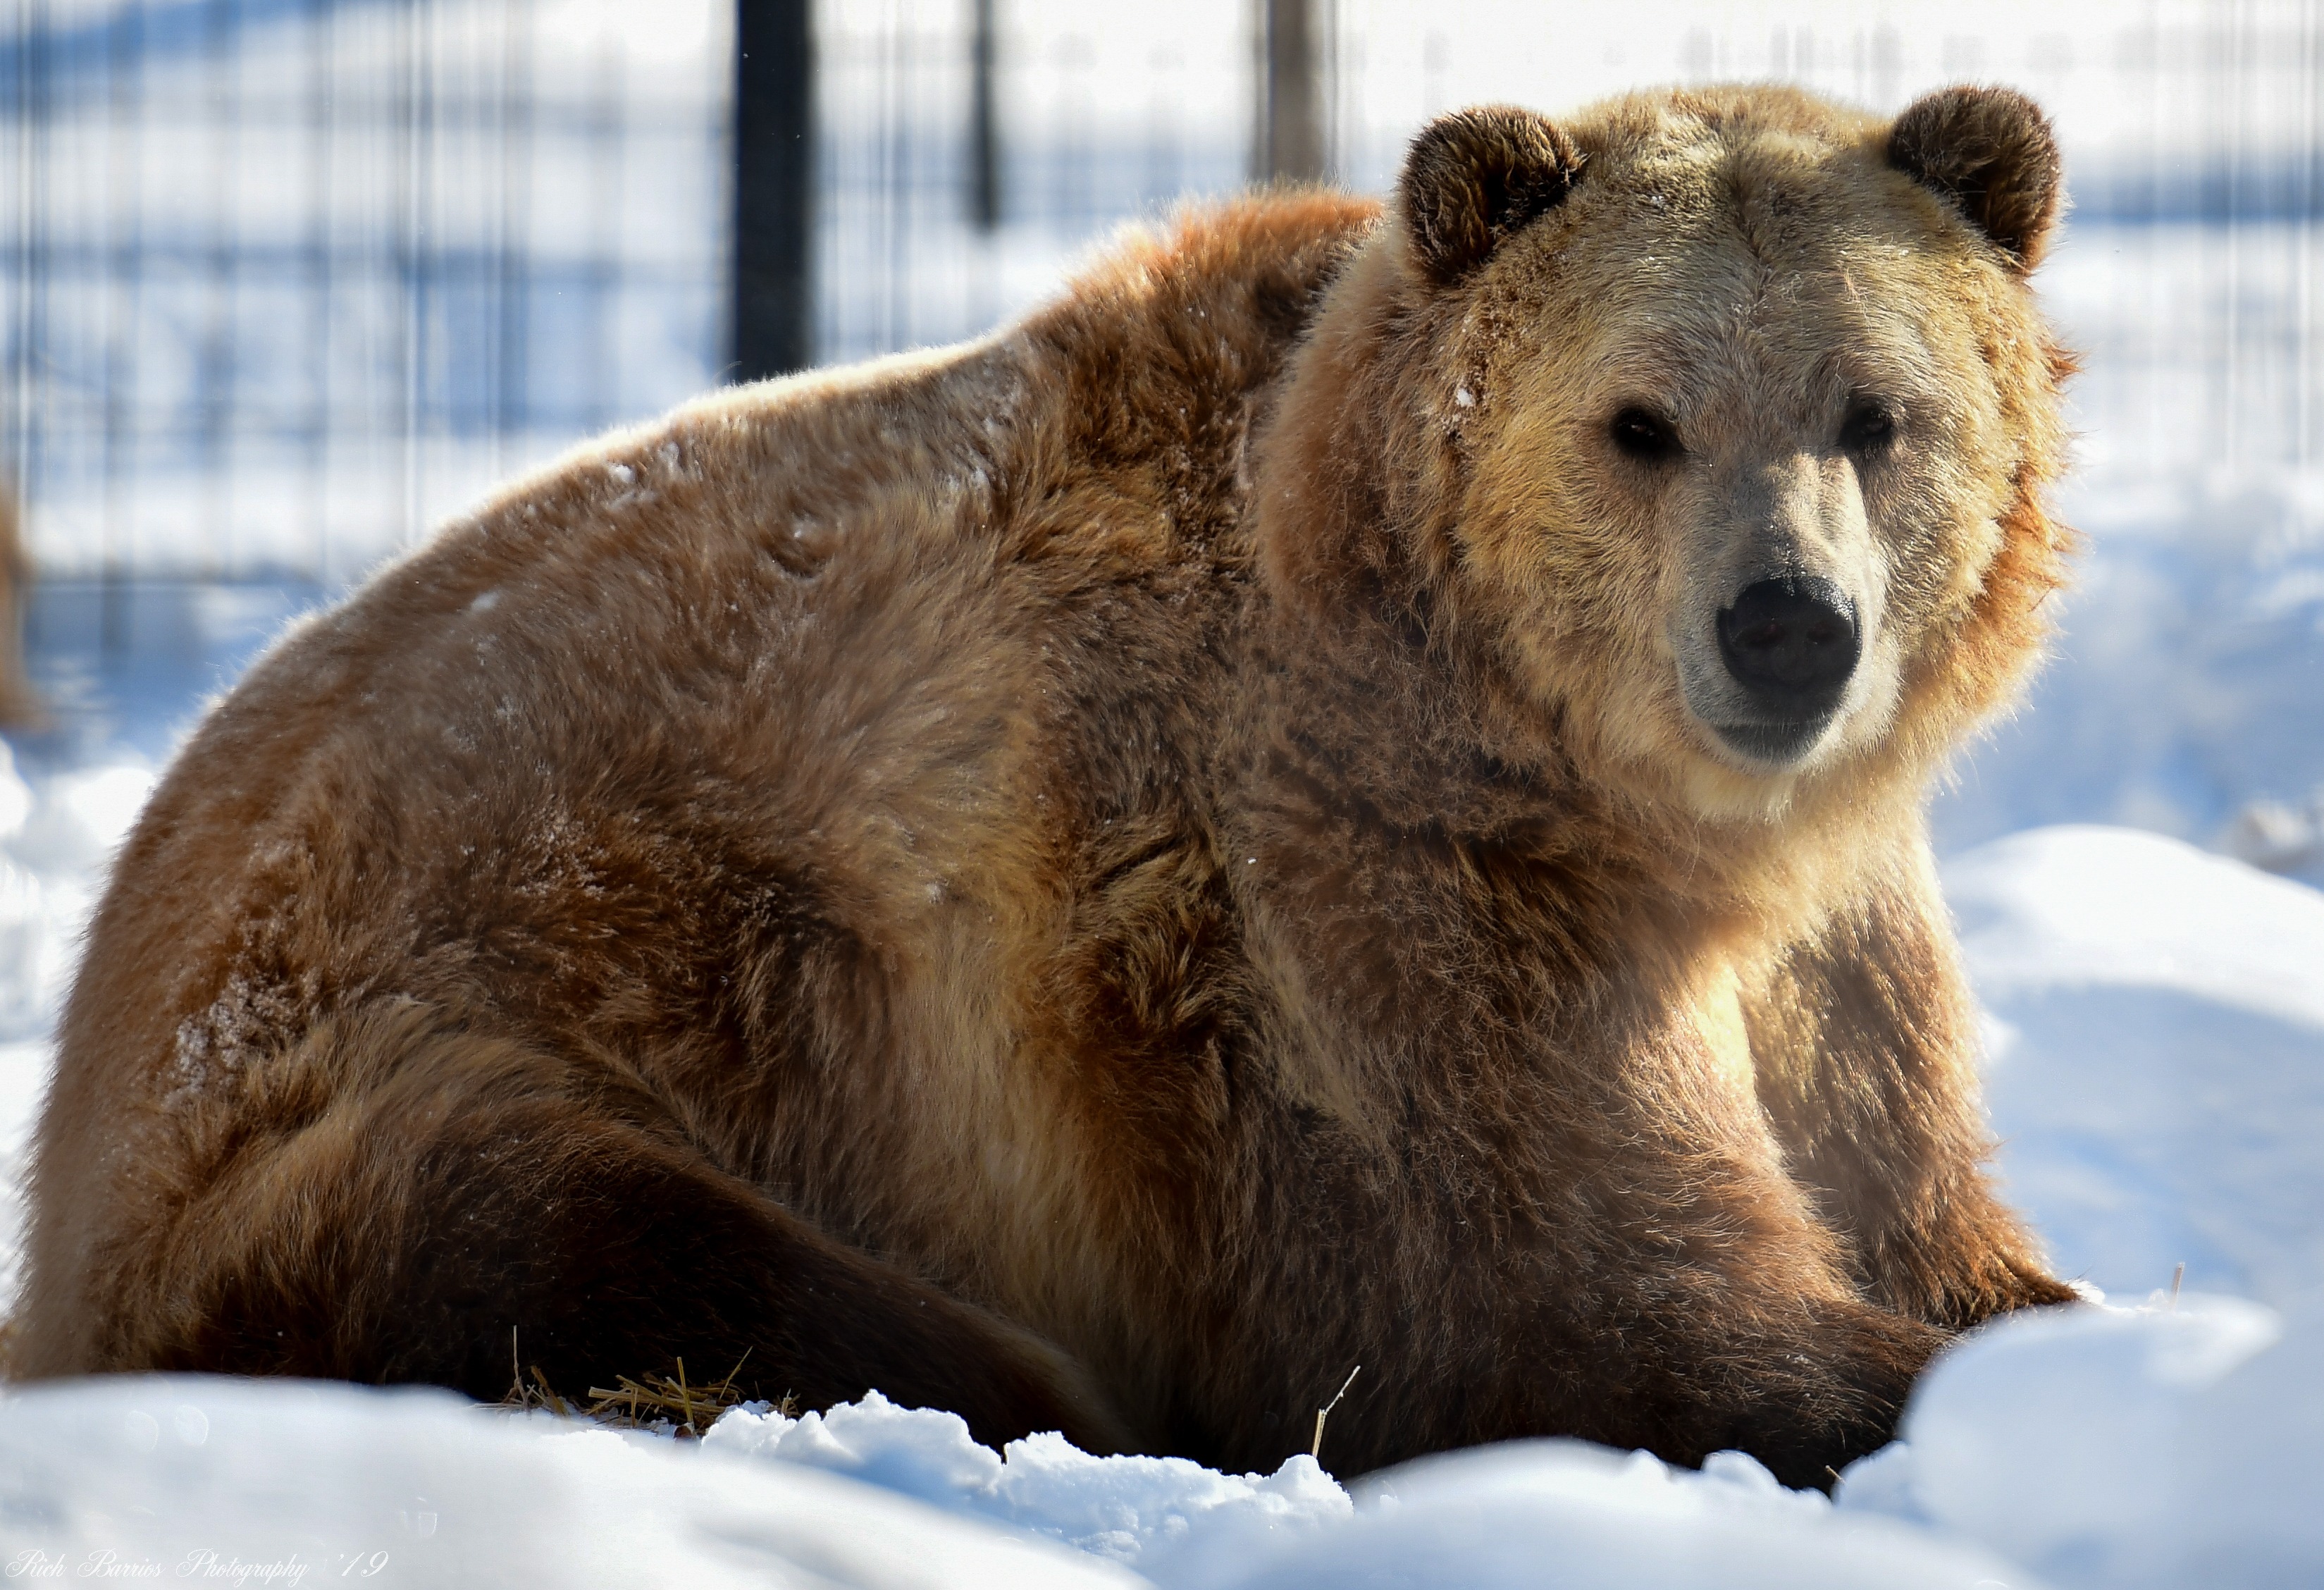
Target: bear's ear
(1990, 151)
(1476, 176)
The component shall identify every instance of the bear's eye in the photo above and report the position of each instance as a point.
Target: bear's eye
(1644, 436)
(1867, 431)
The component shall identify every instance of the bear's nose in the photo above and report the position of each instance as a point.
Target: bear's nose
(1791, 642)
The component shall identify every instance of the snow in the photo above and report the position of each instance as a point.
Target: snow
(1480, 1519)
(2183, 697)
(193, 1478)
(1175, 1520)
(2169, 1447)
(2156, 1055)
(1507, 1516)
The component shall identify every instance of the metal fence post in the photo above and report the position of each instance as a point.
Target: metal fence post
(983, 131)
(773, 328)
(1291, 93)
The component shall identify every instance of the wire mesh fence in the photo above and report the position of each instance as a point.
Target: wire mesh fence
(287, 278)
(288, 281)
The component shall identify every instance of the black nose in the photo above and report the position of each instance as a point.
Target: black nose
(1792, 644)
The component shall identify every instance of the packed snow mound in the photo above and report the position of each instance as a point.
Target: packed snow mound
(1131, 1510)
(2119, 1450)
(2115, 907)
(1527, 1514)
(2156, 1064)
(278, 1482)
(1473, 1520)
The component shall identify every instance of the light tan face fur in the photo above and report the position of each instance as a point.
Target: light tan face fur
(1770, 305)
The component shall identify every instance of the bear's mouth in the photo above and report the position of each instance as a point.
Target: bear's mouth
(1779, 744)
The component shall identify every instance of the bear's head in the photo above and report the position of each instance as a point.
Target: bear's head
(1705, 435)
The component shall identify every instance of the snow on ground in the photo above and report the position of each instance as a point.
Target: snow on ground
(2157, 1450)
(2155, 1065)
(2156, 1057)
(189, 1478)
(2164, 1448)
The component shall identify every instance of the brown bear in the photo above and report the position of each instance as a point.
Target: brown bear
(1350, 792)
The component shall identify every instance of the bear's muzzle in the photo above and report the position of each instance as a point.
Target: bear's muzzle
(1792, 644)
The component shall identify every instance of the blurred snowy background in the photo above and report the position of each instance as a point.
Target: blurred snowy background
(287, 281)
(284, 282)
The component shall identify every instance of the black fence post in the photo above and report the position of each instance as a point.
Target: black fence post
(774, 187)
(983, 132)
(1290, 132)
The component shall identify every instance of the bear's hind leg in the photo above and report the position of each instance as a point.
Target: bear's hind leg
(401, 1199)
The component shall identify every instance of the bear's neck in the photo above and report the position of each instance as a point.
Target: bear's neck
(1371, 734)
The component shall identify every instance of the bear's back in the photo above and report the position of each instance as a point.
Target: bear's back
(809, 686)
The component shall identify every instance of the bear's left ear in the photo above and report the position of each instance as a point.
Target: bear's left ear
(1990, 151)
(1475, 177)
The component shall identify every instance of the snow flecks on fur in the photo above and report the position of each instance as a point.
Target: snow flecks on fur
(248, 1022)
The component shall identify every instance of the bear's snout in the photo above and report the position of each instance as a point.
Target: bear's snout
(1793, 644)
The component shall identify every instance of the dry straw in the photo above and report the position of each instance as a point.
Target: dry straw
(1324, 1413)
(635, 1402)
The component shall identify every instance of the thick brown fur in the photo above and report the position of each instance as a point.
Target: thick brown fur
(1102, 877)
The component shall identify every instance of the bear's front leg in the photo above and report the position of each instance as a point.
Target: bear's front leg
(1520, 1169)
(1717, 1311)
(1863, 1044)
(1595, 1238)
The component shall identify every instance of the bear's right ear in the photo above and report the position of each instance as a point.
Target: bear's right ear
(1991, 152)
(1475, 177)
